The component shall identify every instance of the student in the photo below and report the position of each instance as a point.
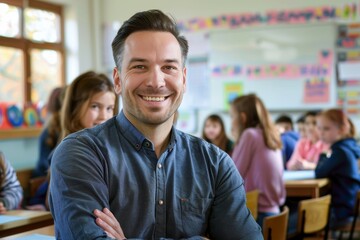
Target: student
(307, 150)
(50, 135)
(214, 132)
(288, 136)
(157, 181)
(89, 101)
(300, 126)
(339, 164)
(257, 153)
(11, 192)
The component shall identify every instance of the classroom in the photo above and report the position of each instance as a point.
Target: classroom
(296, 56)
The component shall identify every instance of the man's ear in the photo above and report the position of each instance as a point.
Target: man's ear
(117, 81)
(184, 79)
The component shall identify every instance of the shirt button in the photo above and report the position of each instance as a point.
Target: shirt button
(147, 144)
(159, 165)
(161, 202)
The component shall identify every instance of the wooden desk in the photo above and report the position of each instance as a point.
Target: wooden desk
(48, 231)
(32, 220)
(312, 188)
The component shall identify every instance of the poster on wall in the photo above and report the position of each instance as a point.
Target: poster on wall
(317, 90)
(231, 91)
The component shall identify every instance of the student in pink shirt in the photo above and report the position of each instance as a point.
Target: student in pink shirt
(308, 149)
(257, 153)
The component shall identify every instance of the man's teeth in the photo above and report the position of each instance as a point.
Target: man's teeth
(154, 99)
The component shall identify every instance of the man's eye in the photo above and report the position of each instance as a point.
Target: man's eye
(170, 67)
(139, 67)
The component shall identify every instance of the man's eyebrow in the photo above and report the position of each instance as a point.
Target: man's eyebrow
(172, 60)
(137, 60)
(142, 60)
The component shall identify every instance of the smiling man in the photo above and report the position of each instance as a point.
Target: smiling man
(136, 176)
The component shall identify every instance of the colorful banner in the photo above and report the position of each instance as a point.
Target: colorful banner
(285, 71)
(226, 70)
(293, 16)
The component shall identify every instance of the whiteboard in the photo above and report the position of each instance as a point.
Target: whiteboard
(280, 45)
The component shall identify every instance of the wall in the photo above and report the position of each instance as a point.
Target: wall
(84, 26)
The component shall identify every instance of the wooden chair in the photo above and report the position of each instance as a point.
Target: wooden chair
(313, 217)
(355, 223)
(252, 202)
(275, 227)
(35, 184)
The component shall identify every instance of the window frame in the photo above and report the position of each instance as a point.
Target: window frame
(26, 45)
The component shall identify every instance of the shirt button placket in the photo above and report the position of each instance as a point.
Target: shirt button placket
(160, 229)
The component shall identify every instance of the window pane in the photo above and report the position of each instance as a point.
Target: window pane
(42, 26)
(9, 20)
(11, 75)
(46, 73)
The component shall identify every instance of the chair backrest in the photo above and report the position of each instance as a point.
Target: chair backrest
(252, 202)
(275, 227)
(313, 215)
(356, 215)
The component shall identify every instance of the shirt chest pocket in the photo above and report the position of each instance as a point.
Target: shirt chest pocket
(194, 215)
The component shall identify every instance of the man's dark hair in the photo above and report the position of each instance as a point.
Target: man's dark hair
(151, 20)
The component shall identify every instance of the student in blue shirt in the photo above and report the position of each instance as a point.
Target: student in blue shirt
(288, 136)
(339, 164)
(136, 176)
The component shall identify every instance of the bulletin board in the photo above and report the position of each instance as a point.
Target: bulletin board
(290, 67)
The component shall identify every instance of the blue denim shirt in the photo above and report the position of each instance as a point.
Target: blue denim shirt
(193, 189)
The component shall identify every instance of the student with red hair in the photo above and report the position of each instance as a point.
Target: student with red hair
(339, 164)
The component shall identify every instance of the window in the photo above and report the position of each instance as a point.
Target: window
(31, 50)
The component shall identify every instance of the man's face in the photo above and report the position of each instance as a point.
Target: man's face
(152, 80)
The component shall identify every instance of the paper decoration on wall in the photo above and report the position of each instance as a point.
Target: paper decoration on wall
(231, 91)
(2, 117)
(31, 118)
(349, 35)
(14, 115)
(291, 16)
(284, 71)
(349, 100)
(226, 70)
(316, 90)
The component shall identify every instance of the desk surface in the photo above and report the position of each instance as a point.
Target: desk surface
(29, 220)
(306, 188)
(46, 231)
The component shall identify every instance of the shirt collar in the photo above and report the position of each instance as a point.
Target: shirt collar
(135, 137)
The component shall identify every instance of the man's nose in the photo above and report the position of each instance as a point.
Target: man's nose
(156, 78)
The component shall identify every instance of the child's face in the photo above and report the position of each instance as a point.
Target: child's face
(310, 128)
(100, 109)
(212, 129)
(329, 132)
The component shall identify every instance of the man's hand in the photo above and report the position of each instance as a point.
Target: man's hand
(2, 208)
(106, 220)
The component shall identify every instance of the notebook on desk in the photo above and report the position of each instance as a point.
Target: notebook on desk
(8, 218)
(299, 175)
(36, 237)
